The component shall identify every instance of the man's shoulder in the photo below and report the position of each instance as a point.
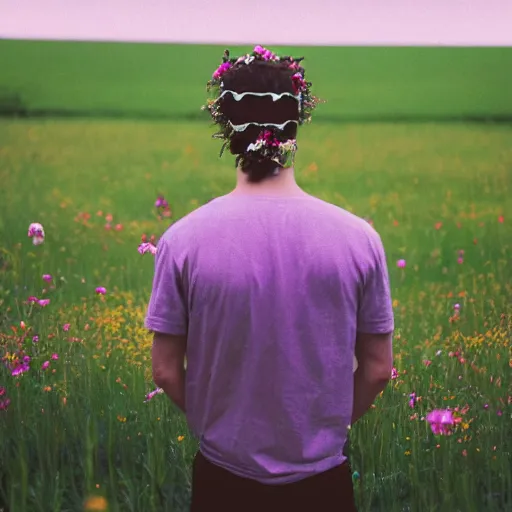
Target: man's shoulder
(188, 225)
(349, 220)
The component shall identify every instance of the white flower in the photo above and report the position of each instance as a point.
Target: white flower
(249, 59)
(256, 146)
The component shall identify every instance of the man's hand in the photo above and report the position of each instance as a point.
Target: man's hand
(168, 361)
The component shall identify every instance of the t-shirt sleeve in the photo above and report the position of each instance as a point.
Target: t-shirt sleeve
(167, 310)
(375, 311)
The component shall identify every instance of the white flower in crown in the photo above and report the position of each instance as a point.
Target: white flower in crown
(289, 145)
(249, 59)
(36, 232)
(256, 146)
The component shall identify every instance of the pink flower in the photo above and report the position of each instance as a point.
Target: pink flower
(259, 49)
(55, 357)
(412, 400)
(460, 260)
(221, 70)
(299, 84)
(43, 302)
(151, 394)
(47, 278)
(32, 299)
(394, 373)
(427, 362)
(101, 290)
(36, 232)
(146, 247)
(4, 404)
(456, 307)
(441, 420)
(22, 368)
(45, 365)
(161, 202)
(35, 338)
(2, 391)
(401, 263)
(66, 327)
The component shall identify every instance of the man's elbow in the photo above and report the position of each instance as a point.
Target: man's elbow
(379, 377)
(164, 379)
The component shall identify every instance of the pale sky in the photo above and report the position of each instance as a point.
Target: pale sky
(324, 22)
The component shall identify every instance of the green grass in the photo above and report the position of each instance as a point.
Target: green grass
(169, 80)
(105, 441)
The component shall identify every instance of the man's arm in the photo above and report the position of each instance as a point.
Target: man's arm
(168, 361)
(374, 353)
(375, 326)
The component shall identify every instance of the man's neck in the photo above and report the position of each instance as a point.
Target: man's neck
(283, 184)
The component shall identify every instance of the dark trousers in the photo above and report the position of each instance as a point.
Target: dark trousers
(214, 488)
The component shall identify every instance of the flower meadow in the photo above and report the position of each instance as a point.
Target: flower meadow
(82, 206)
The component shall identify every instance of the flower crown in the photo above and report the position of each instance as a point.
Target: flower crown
(268, 145)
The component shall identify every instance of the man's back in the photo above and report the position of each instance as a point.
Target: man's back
(271, 292)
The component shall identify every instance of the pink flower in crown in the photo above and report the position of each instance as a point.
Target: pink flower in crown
(269, 139)
(36, 232)
(268, 55)
(299, 84)
(221, 70)
(265, 53)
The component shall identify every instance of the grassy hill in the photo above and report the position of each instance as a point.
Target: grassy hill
(168, 81)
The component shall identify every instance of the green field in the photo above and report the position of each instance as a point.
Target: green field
(169, 80)
(81, 429)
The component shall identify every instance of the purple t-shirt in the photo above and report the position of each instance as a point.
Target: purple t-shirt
(270, 292)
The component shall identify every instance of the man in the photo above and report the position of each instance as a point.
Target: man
(269, 292)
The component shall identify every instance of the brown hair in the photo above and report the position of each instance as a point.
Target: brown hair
(259, 76)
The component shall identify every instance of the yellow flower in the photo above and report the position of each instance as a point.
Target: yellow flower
(180, 438)
(120, 418)
(96, 503)
(408, 452)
